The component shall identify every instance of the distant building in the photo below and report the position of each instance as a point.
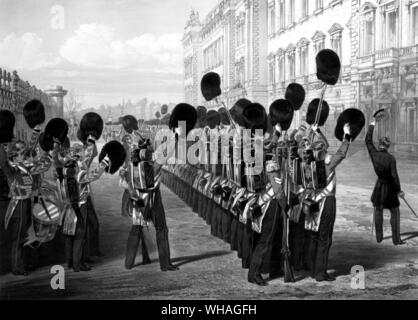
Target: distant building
(260, 46)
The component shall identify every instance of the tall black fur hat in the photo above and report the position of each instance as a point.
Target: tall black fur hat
(81, 137)
(116, 153)
(46, 143)
(312, 109)
(213, 119)
(129, 123)
(211, 86)
(355, 118)
(328, 66)
(255, 117)
(237, 111)
(183, 112)
(7, 125)
(34, 113)
(92, 124)
(295, 93)
(201, 117)
(281, 112)
(224, 116)
(56, 128)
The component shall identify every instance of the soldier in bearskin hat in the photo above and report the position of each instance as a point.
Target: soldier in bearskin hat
(133, 201)
(90, 130)
(20, 173)
(319, 206)
(266, 257)
(387, 189)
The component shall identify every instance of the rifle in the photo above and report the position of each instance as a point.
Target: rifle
(287, 268)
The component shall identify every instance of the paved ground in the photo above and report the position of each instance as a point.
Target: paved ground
(209, 270)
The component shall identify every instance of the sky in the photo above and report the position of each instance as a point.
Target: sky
(102, 50)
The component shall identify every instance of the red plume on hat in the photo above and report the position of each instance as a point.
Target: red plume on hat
(34, 113)
(210, 86)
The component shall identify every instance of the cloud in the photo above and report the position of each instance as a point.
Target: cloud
(96, 46)
(25, 52)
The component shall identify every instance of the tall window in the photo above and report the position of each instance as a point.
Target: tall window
(392, 22)
(282, 12)
(272, 19)
(415, 26)
(318, 4)
(304, 58)
(291, 63)
(282, 71)
(412, 124)
(368, 33)
(291, 11)
(336, 44)
(272, 78)
(304, 8)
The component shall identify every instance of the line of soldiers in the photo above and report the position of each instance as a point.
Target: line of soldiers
(278, 214)
(35, 202)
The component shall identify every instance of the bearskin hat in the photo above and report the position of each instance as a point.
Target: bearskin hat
(92, 124)
(237, 111)
(312, 109)
(129, 123)
(328, 66)
(213, 119)
(224, 116)
(201, 111)
(56, 128)
(116, 153)
(46, 143)
(34, 113)
(164, 109)
(281, 112)
(7, 124)
(255, 117)
(355, 118)
(295, 93)
(183, 112)
(211, 86)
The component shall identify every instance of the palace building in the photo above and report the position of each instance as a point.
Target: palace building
(260, 46)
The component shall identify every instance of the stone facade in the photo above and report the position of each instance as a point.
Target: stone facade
(269, 43)
(15, 93)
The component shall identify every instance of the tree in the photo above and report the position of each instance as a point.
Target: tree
(164, 109)
(72, 105)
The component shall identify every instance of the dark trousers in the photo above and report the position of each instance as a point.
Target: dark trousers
(75, 245)
(263, 248)
(395, 222)
(5, 239)
(158, 218)
(136, 236)
(92, 243)
(18, 227)
(297, 242)
(321, 241)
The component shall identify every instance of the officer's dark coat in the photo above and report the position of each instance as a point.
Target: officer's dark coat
(385, 193)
